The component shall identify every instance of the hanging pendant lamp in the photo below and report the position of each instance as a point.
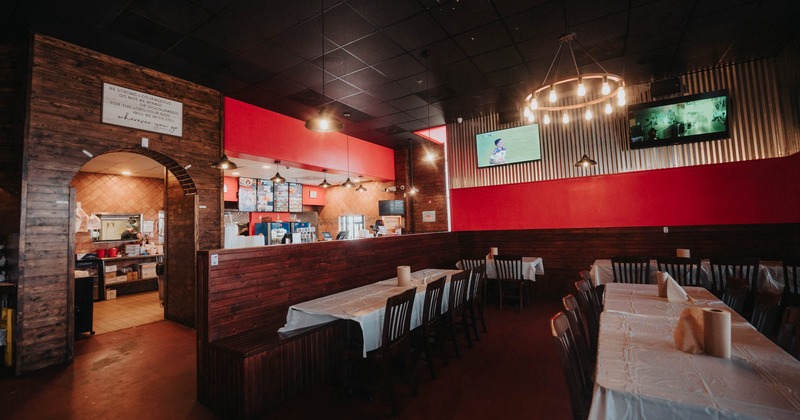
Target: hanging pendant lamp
(360, 185)
(278, 179)
(325, 183)
(586, 162)
(224, 163)
(348, 183)
(322, 122)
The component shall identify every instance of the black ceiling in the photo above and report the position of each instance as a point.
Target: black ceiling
(485, 55)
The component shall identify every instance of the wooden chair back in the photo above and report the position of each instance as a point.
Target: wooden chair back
(397, 321)
(685, 271)
(471, 263)
(789, 333)
(724, 268)
(631, 269)
(765, 313)
(735, 293)
(570, 363)
(434, 294)
(580, 331)
(509, 267)
(589, 309)
(476, 283)
(459, 288)
(791, 281)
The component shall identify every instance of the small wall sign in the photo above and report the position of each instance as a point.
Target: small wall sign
(312, 194)
(134, 109)
(429, 216)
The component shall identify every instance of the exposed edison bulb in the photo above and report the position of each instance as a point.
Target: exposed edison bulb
(534, 104)
(607, 108)
(588, 115)
(620, 101)
(565, 118)
(552, 96)
(527, 111)
(606, 89)
(531, 117)
(546, 119)
(581, 88)
(621, 92)
(324, 124)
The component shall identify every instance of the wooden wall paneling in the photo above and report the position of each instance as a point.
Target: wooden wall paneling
(181, 243)
(64, 119)
(565, 252)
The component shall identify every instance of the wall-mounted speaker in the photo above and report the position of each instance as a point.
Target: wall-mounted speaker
(666, 87)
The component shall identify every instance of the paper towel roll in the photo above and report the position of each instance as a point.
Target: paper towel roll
(684, 253)
(231, 231)
(240, 242)
(493, 250)
(661, 278)
(717, 332)
(404, 276)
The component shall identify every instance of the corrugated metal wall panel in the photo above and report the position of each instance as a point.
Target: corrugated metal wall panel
(760, 121)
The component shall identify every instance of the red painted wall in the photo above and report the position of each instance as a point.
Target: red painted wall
(251, 131)
(231, 188)
(308, 201)
(757, 191)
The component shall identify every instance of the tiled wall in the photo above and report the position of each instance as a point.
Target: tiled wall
(342, 201)
(103, 193)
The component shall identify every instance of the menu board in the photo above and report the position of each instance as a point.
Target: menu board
(265, 202)
(281, 199)
(295, 197)
(247, 194)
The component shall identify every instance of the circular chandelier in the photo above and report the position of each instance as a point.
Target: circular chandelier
(575, 92)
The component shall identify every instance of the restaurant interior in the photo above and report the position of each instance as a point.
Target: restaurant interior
(594, 201)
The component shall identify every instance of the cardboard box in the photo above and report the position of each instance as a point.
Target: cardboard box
(111, 294)
(113, 278)
(147, 270)
(111, 268)
(133, 275)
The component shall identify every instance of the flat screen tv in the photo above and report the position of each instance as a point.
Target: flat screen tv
(512, 145)
(685, 119)
(391, 208)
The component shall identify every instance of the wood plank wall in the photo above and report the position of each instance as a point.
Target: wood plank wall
(254, 287)
(567, 251)
(181, 236)
(65, 118)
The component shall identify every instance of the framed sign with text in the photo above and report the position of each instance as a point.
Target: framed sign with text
(134, 109)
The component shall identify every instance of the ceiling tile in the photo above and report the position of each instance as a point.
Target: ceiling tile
(366, 79)
(579, 11)
(339, 62)
(457, 17)
(374, 48)
(309, 97)
(441, 53)
(337, 89)
(280, 85)
(511, 7)
(388, 91)
(179, 15)
(397, 118)
(379, 109)
(399, 67)
(498, 59)
(358, 101)
(342, 24)
(483, 39)
(306, 74)
(145, 30)
(302, 41)
(415, 32)
(199, 52)
(545, 18)
(385, 13)
(272, 57)
(407, 102)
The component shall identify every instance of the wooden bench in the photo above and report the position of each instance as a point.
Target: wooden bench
(259, 369)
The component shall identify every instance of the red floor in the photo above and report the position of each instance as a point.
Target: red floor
(149, 372)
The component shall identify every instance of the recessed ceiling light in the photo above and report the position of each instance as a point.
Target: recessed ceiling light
(266, 166)
(236, 173)
(126, 173)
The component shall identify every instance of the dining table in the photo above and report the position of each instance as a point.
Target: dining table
(640, 373)
(531, 267)
(366, 306)
(770, 274)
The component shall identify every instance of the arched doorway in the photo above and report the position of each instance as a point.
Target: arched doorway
(178, 239)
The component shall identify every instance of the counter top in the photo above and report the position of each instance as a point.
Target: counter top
(131, 257)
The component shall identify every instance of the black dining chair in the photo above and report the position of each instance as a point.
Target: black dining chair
(511, 283)
(589, 309)
(766, 312)
(394, 354)
(631, 269)
(475, 299)
(456, 316)
(685, 271)
(430, 332)
(581, 332)
(789, 332)
(472, 264)
(791, 282)
(564, 339)
(735, 293)
(724, 268)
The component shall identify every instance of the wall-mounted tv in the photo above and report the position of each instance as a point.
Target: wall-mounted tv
(684, 119)
(512, 145)
(391, 208)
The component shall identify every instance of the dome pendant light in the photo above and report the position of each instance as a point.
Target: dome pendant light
(278, 179)
(325, 183)
(224, 163)
(360, 185)
(322, 122)
(586, 162)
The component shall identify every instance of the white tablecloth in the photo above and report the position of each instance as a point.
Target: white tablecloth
(640, 373)
(365, 305)
(531, 266)
(770, 274)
